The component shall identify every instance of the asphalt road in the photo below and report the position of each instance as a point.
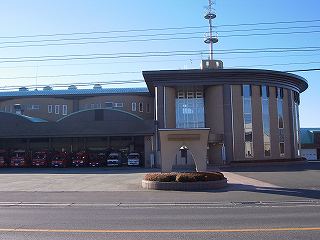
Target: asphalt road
(255, 220)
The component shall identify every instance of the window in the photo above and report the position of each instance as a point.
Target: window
(266, 120)
(297, 127)
(64, 110)
(247, 120)
(119, 105)
(280, 120)
(35, 107)
(190, 94)
(49, 108)
(140, 107)
(134, 107)
(56, 109)
(190, 108)
(108, 104)
(92, 105)
(180, 94)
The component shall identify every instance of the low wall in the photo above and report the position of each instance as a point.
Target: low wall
(184, 186)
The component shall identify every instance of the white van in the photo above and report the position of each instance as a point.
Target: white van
(134, 159)
(113, 160)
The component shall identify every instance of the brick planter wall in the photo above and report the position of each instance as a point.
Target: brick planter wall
(184, 186)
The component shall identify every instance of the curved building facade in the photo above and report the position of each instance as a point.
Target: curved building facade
(253, 115)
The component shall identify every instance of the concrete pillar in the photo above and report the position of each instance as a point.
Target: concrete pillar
(257, 126)
(170, 107)
(227, 124)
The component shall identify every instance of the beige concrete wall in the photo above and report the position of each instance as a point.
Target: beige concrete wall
(127, 101)
(213, 104)
(257, 126)
(238, 125)
(214, 109)
(43, 102)
(147, 150)
(274, 129)
(170, 107)
(84, 103)
(195, 139)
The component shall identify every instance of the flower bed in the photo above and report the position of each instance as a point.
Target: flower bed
(184, 181)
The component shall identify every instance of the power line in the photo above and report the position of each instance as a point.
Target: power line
(277, 64)
(305, 70)
(154, 54)
(167, 60)
(139, 72)
(159, 29)
(79, 84)
(151, 39)
(157, 34)
(68, 75)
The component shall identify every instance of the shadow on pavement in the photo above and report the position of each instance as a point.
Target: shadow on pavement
(293, 192)
(296, 167)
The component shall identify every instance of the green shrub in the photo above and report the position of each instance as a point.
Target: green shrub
(184, 177)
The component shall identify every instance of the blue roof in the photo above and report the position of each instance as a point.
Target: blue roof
(73, 92)
(34, 119)
(307, 136)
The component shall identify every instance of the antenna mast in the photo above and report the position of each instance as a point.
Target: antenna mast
(210, 38)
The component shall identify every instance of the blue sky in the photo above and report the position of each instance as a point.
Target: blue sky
(43, 17)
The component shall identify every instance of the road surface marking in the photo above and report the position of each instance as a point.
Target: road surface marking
(158, 230)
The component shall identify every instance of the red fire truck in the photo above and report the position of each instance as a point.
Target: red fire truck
(19, 158)
(60, 159)
(3, 158)
(40, 159)
(79, 159)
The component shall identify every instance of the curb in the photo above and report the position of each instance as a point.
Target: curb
(184, 186)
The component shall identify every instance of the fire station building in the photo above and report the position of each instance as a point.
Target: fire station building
(234, 115)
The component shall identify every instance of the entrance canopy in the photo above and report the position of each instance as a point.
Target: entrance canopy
(195, 139)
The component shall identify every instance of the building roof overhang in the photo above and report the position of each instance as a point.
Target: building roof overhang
(223, 76)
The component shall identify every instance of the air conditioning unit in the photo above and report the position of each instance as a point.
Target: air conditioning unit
(211, 64)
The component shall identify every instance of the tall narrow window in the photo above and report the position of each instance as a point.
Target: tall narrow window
(280, 120)
(297, 123)
(140, 107)
(56, 109)
(247, 119)
(134, 107)
(266, 120)
(64, 109)
(49, 108)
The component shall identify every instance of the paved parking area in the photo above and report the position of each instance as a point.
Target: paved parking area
(294, 176)
(244, 178)
(73, 179)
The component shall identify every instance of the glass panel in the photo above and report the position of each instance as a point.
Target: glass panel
(246, 91)
(281, 149)
(248, 136)
(247, 105)
(267, 150)
(248, 149)
(265, 121)
(190, 110)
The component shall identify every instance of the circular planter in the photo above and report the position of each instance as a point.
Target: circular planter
(184, 186)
